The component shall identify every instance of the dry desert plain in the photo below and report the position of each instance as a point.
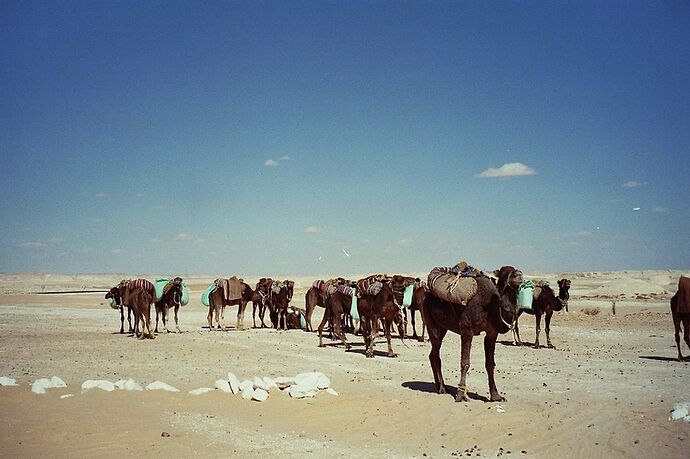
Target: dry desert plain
(606, 390)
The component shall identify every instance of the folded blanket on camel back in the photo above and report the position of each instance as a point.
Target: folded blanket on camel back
(163, 285)
(232, 288)
(370, 285)
(684, 295)
(451, 287)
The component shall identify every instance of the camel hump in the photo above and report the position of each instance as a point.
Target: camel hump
(450, 287)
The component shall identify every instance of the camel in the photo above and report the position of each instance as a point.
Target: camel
(544, 302)
(319, 294)
(218, 302)
(172, 297)
(137, 295)
(261, 299)
(121, 307)
(680, 311)
(337, 304)
(564, 292)
(281, 295)
(490, 310)
(380, 298)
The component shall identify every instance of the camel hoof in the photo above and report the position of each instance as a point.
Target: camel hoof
(498, 398)
(441, 390)
(459, 397)
(392, 355)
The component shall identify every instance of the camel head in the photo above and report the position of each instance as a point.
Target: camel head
(508, 284)
(290, 285)
(114, 293)
(564, 291)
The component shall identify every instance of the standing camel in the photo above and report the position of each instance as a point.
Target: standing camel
(136, 295)
(171, 298)
(544, 302)
(490, 310)
(680, 311)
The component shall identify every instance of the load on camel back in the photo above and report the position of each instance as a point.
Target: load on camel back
(457, 284)
(161, 286)
(373, 284)
(232, 289)
(528, 292)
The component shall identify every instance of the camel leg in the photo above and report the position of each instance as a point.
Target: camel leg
(537, 317)
(389, 325)
(310, 311)
(436, 336)
(148, 323)
(405, 318)
(414, 326)
(490, 364)
(240, 314)
(254, 313)
(547, 329)
(129, 320)
(157, 311)
(516, 332)
(321, 325)
(373, 333)
(122, 319)
(177, 323)
(209, 318)
(166, 315)
(465, 348)
(338, 331)
(686, 330)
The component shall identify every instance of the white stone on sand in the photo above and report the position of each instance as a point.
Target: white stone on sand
(201, 390)
(128, 384)
(160, 385)
(67, 396)
(299, 391)
(98, 384)
(260, 395)
(234, 383)
(248, 391)
(331, 391)
(6, 381)
(223, 385)
(680, 411)
(57, 382)
(282, 382)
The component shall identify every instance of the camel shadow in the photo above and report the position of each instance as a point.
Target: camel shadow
(429, 387)
(665, 359)
(524, 344)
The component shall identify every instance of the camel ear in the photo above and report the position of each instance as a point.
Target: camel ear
(560, 282)
(496, 271)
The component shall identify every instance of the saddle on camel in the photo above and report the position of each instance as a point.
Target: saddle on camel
(456, 285)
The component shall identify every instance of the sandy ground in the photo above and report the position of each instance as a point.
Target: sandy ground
(605, 391)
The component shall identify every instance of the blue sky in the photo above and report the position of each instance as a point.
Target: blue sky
(283, 137)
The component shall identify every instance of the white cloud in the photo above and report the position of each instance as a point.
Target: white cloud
(633, 184)
(33, 245)
(507, 170)
(661, 209)
(271, 163)
(182, 237)
(312, 229)
(285, 158)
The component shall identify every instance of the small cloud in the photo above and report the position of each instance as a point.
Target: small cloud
(507, 170)
(312, 229)
(182, 237)
(633, 184)
(33, 245)
(285, 158)
(271, 163)
(661, 209)
(156, 240)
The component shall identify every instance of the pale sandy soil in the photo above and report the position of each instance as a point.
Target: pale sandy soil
(605, 391)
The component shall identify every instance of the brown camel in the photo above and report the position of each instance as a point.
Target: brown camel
(564, 292)
(490, 310)
(261, 299)
(680, 311)
(281, 295)
(337, 304)
(136, 295)
(172, 298)
(544, 302)
(218, 302)
(380, 298)
(115, 296)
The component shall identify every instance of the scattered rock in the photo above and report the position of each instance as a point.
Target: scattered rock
(248, 391)
(223, 385)
(680, 411)
(201, 390)
(128, 384)
(160, 385)
(67, 396)
(260, 395)
(165, 434)
(57, 382)
(331, 391)
(234, 383)
(98, 384)
(283, 382)
(299, 391)
(6, 381)
(40, 385)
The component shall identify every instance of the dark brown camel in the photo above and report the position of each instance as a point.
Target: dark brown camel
(418, 295)
(336, 305)
(261, 299)
(118, 301)
(564, 292)
(313, 298)
(491, 311)
(172, 298)
(281, 295)
(216, 300)
(381, 302)
(544, 302)
(680, 311)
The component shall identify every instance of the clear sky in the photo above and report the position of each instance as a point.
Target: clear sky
(305, 137)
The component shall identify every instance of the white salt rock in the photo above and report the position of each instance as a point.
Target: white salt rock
(234, 383)
(283, 382)
(299, 391)
(246, 383)
(160, 385)
(6, 381)
(259, 383)
(98, 384)
(270, 383)
(680, 410)
(67, 396)
(57, 382)
(201, 390)
(248, 392)
(314, 379)
(260, 395)
(223, 385)
(331, 391)
(40, 385)
(128, 384)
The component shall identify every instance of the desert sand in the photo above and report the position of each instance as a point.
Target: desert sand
(606, 390)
